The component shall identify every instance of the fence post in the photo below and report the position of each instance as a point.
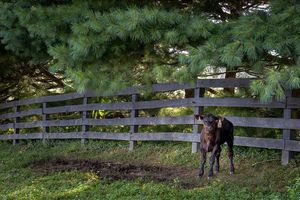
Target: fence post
(45, 118)
(133, 128)
(16, 120)
(198, 92)
(286, 156)
(84, 128)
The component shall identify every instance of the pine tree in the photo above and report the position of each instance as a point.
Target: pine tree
(110, 45)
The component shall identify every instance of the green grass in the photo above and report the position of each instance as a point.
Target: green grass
(259, 174)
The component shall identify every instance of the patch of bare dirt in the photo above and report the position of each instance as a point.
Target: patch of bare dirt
(121, 171)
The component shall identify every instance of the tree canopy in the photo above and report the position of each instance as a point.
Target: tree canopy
(110, 45)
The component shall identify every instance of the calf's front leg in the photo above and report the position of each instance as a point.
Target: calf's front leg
(202, 162)
(212, 161)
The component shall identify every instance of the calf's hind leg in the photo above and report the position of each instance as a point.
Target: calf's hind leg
(217, 166)
(230, 156)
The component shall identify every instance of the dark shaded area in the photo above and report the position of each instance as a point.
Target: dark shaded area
(111, 170)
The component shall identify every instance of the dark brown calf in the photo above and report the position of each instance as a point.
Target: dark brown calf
(216, 131)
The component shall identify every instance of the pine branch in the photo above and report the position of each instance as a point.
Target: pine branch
(52, 77)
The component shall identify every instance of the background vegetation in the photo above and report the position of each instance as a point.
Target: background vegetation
(109, 45)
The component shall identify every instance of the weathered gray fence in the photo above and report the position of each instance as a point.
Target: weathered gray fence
(286, 144)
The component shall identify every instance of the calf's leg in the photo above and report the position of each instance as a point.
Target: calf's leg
(212, 160)
(218, 153)
(202, 162)
(230, 156)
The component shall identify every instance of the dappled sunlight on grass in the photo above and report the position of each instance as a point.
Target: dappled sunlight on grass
(55, 186)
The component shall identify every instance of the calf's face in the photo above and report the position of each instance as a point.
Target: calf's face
(210, 122)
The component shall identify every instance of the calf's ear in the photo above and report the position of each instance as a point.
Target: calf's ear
(220, 121)
(199, 117)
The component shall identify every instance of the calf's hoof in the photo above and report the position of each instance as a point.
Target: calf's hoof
(231, 172)
(209, 177)
(201, 172)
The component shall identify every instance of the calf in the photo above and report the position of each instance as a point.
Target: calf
(216, 131)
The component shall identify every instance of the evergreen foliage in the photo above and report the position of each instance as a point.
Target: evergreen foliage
(110, 45)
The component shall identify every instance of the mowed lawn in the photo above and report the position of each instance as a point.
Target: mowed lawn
(164, 170)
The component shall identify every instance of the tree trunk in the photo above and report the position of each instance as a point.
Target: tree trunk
(229, 90)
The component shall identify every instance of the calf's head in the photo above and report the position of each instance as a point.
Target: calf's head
(210, 122)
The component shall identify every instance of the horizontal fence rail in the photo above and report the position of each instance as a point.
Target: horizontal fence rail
(269, 143)
(278, 123)
(206, 83)
(84, 121)
(188, 102)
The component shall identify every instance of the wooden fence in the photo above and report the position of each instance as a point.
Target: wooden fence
(286, 123)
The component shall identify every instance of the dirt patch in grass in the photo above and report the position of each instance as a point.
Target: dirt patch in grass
(264, 176)
(112, 170)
